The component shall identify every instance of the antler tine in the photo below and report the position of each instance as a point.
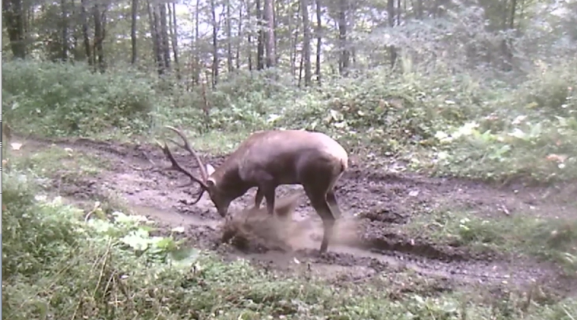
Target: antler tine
(199, 195)
(177, 166)
(188, 148)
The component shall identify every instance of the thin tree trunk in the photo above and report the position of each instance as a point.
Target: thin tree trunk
(229, 61)
(172, 24)
(152, 16)
(319, 41)
(86, 37)
(391, 16)
(64, 22)
(294, 40)
(196, 73)
(261, 37)
(164, 35)
(249, 47)
(344, 60)
(134, 17)
(270, 40)
(306, 52)
(239, 35)
(214, 44)
(99, 34)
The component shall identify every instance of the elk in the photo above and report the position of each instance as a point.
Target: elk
(266, 160)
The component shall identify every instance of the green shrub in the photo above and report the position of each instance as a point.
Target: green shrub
(63, 99)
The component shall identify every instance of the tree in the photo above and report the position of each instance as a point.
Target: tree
(134, 17)
(306, 42)
(13, 13)
(270, 38)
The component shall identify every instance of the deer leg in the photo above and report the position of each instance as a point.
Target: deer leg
(258, 198)
(319, 203)
(332, 200)
(269, 195)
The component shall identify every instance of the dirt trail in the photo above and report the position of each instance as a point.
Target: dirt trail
(373, 204)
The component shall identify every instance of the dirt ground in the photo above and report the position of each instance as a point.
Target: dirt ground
(366, 243)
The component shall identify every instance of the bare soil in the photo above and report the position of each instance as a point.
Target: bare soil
(366, 243)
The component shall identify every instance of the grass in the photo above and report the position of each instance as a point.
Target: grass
(56, 162)
(548, 238)
(62, 267)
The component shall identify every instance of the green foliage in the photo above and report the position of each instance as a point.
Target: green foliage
(451, 124)
(63, 99)
(56, 265)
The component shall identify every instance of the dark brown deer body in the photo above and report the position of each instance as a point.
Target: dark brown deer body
(268, 159)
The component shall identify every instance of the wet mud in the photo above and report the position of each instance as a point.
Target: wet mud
(374, 205)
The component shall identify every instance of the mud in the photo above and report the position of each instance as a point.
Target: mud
(374, 205)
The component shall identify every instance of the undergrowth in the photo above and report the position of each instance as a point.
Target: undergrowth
(548, 238)
(438, 122)
(60, 263)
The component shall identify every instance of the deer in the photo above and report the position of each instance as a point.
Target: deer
(266, 160)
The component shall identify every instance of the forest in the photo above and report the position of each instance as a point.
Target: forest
(459, 118)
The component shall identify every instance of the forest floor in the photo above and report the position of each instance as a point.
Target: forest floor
(454, 233)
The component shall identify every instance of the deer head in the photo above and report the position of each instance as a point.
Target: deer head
(207, 183)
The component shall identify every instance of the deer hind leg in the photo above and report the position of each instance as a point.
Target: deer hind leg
(258, 198)
(332, 199)
(321, 206)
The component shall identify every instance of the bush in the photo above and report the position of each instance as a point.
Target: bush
(64, 99)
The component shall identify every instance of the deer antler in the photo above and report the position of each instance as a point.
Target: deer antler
(176, 166)
(187, 147)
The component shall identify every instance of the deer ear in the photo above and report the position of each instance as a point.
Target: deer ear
(210, 183)
(209, 169)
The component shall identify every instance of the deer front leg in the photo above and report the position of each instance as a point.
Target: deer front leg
(258, 198)
(269, 195)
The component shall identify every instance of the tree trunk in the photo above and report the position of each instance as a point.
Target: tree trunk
(239, 35)
(306, 52)
(344, 60)
(319, 32)
(270, 40)
(294, 41)
(196, 67)
(249, 47)
(172, 24)
(164, 35)
(13, 13)
(391, 18)
(229, 61)
(64, 24)
(85, 36)
(214, 44)
(133, 30)
(261, 39)
(99, 34)
(153, 19)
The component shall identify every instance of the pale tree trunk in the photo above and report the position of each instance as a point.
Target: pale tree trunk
(172, 25)
(196, 62)
(270, 40)
(215, 60)
(239, 35)
(229, 58)
(319, 32)
(261, 37)
(306, 52)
